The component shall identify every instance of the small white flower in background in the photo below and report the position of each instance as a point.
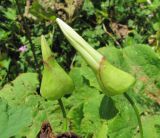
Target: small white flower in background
(22, 49)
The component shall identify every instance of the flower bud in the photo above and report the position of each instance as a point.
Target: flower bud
(112, 80)
(55, 81)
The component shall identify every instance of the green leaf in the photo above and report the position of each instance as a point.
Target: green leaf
(141, 1)
(103, 131)
(3, 34)
(151, 126)
(77, 77)
(21, 95)
(5, 63)
(107, 109)
(91, 121)
(13, 119)
(17, 92)
(75, 115)
(40, 13)
(84, 118)
(10, 13)
(88, 7)
(124, 123)
(94, 36)
(88, 74)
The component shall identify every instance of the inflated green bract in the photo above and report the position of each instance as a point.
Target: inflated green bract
(112, 80)
(55, 81)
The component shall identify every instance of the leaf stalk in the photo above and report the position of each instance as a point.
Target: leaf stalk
(136, 112)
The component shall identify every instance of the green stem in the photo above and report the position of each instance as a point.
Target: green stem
(28, 36)
(62, 108)
(136, 111)
(64, 114)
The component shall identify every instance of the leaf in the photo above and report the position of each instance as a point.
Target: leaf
(77, 77)
(81, 75)
(151, 126)
(103, 131)
(5, 63)
(21, 95)
(82, 95)
(107, 109)
(16, 92)
(88, 7)
(75, 115)
(88, 74)
(94, 36)
(141, 1)
(91, 121)
(125, 122)
(3, 34)
(84, 118)
(40, 13)
(10, 13)
(13, 119)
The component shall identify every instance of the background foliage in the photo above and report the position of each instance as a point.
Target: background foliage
(126, 32)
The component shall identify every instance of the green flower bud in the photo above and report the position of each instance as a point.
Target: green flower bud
(112, 80)
(55, 81)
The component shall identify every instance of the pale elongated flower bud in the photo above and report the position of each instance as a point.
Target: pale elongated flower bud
(112, 80)
(55, 81)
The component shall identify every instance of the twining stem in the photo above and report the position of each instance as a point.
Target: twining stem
(136, 112)
(28, 36)
(64, 114)
(104, 28)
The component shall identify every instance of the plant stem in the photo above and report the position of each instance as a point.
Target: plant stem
(104, 28)
(28, 36)
(136, 112)
(63, 113)
(62, 108)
